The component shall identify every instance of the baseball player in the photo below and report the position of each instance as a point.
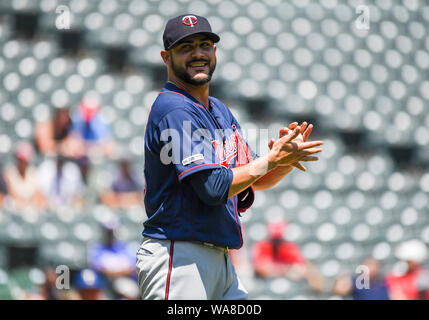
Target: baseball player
(200, 174)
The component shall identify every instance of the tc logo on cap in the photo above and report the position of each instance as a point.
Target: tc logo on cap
(189, 20)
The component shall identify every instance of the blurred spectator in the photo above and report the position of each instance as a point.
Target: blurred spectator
(89, 125)
(50, 290)
(413, 283)
(348, 286)
(91, 185)
(22, 180)
(276, 257)
(62, 182)
(89, 284)
(85, 169)
(54, 136)
(125, 191)
(3, 187)
(111, 257)
(126, 289)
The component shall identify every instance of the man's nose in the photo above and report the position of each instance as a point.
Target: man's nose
(197, 52)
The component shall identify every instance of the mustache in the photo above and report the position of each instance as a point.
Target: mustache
(200, 60)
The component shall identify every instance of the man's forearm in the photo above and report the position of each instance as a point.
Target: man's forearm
(284, 152)
(271, 178)
(248, 174)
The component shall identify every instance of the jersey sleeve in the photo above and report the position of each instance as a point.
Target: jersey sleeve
(212, 186)
(186, 143)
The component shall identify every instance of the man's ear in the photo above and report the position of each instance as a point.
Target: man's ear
(214, 47)
(165, 55)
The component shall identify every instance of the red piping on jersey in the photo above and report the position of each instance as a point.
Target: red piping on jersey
(236, 220)
(198, 105)
(201, 165)
(170, 267)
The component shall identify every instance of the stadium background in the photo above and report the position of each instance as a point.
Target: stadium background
(366, 92)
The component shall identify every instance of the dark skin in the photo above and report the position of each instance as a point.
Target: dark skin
(21, 165)
(125, 169)
(62, 123)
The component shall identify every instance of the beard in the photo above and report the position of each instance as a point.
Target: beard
(182, 74)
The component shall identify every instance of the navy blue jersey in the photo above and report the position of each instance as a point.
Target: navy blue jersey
(183, 137)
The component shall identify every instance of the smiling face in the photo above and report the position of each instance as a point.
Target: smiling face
(193, 60)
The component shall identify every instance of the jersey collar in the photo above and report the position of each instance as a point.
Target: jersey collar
(169, 86)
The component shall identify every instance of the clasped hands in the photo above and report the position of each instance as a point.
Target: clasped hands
(292, 147)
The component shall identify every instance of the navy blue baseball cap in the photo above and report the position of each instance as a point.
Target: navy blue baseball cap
(185, 25)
